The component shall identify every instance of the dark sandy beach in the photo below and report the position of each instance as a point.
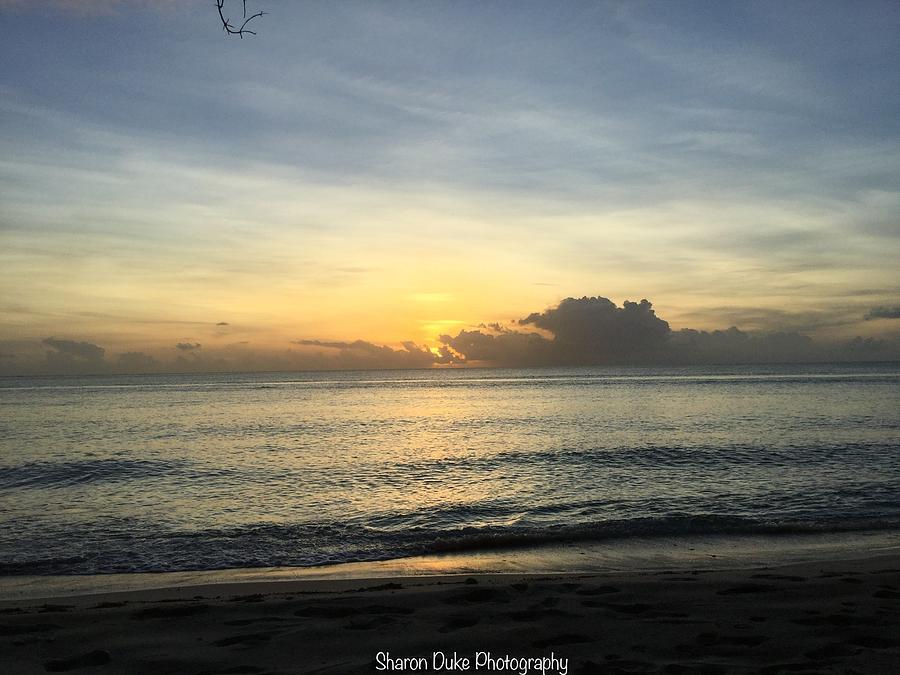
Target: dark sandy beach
(825, 617)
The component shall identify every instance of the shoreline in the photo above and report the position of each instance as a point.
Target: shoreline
(637, 555)
(802, 617)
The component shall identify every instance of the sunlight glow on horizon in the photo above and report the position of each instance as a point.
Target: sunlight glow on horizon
(456, 167)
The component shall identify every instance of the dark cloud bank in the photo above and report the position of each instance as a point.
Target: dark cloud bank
(594, 331)
(578, 331)
(883, 313)
(359, 355)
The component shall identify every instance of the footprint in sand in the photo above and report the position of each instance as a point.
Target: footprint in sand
(564, 639)
(832, 650)
(598, 590)
(98, 657)
(459, 622)
(325, 612)
(873, 642)
(634, 608)
(27, 629)
(478, 595)
(371, 623)
(884, 594)
(261, 619)
(169, 612)
(44, 609)
(342, 612)
(840, 620)
(247, 640)
(778, 577)
(535, 614)
(742, 589)
(716, 639)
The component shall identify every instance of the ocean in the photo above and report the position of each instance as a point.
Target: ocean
(109, 474)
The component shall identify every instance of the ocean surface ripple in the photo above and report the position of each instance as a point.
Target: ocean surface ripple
(186, 472)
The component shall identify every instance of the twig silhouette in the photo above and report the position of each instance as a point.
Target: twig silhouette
(229, 27)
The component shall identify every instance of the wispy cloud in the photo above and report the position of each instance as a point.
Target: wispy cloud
(354, 156)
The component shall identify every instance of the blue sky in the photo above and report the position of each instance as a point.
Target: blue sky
(395, 171)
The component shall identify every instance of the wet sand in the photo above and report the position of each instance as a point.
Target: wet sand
(819, 617)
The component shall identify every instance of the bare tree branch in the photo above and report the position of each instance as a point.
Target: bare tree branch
(229, 27)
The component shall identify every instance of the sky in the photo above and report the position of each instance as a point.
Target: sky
(392, 184)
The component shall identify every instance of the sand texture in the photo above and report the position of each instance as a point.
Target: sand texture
(827, 617)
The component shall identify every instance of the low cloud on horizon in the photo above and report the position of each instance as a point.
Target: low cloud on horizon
(883, 313)
(577, 331)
